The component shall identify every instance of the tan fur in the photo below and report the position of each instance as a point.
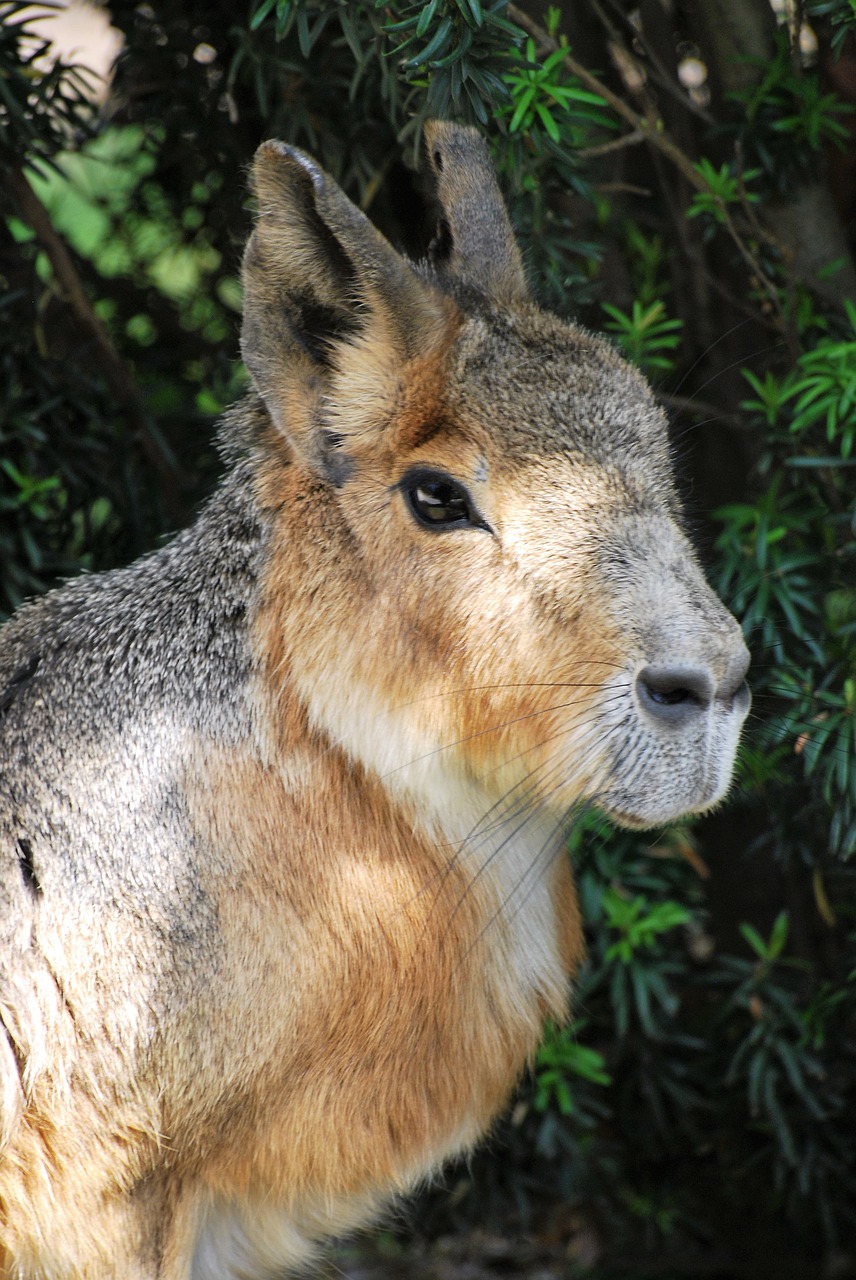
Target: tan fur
(283, 896)
(368, 1015)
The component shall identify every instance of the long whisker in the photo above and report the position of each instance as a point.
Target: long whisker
(518, 684)
(480, 829)
(558, 769)
(494, 728)
(603, 706)
(761, 351)
(551, 846)
(553, 849)
(526, 806)
(711, 347)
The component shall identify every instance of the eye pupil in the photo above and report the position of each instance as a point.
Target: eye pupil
(438, 501)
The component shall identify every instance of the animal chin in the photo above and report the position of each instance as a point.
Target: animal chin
(657, 807)
(661, 794)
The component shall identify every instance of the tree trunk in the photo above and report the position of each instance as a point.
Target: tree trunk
(737, 40)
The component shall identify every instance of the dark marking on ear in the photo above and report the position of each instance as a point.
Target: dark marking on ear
(28, 870)
(19, 681)
(335, 257)
(319, 327)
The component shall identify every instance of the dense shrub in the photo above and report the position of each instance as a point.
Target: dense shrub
(670, 176)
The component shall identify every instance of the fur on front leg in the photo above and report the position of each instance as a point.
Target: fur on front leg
(257, 1241)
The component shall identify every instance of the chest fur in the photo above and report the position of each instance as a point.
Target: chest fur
(385, 987)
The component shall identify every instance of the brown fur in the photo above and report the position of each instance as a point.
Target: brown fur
(284, 903)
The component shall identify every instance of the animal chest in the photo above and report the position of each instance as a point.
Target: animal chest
(384, 996)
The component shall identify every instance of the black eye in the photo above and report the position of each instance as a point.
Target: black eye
(439, 502)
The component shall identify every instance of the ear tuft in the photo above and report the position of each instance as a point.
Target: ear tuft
(476, 241)
(276, 167)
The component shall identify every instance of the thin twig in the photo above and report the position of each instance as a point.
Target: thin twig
(689, 404)
(34, 212)
(651, 125)
(114, 370)
(655, 70)
(616, 144)
(624, 188)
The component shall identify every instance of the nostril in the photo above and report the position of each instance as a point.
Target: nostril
(740, 700)
(674, 695)
(733, 685)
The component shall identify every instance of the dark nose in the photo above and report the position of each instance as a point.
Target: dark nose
(677, 695)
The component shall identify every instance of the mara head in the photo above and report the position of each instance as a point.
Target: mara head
(496, 588)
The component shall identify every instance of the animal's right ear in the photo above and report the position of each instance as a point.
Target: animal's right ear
(318, 277)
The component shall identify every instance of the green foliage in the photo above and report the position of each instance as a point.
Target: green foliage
(56, 501)
(561, 1061)
(462, 46)
(647, 336)
(541, 93)
(788, 560)
(712, 1064)
(724, 187)
(444, 56)
(787, 119)
(782, 1021)
(823, 386)
(638, 924)
(840, 14)
(41, 105)
(102, 200)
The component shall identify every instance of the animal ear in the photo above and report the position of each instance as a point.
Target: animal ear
(318, 277)
(477, 244)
